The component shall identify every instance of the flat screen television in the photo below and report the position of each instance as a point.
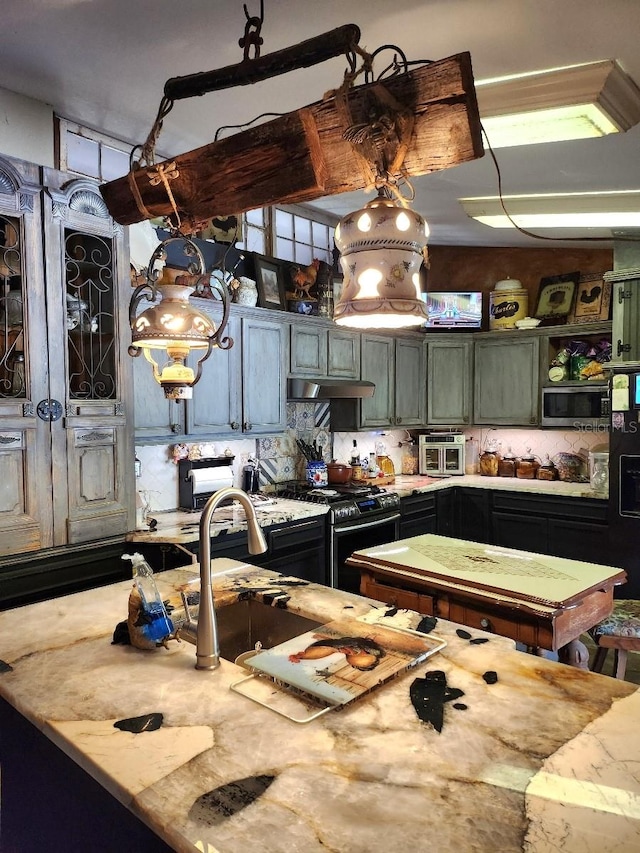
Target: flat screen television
(453, 310)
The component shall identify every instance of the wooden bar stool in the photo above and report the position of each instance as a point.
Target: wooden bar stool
(621, 632)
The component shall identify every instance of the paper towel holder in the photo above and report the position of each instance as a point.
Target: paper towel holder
(189, 499)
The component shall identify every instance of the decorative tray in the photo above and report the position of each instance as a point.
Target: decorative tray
(338, 663)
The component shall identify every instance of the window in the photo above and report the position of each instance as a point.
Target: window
(302, 234)
(87, 152)
(255, 231)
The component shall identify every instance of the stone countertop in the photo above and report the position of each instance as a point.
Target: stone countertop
(406, 485)
(180, 527)
(531, 755)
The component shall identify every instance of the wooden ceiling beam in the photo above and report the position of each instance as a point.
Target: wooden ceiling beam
(303, 155)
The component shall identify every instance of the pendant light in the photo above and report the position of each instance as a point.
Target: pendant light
(175, 327)
(381, 250)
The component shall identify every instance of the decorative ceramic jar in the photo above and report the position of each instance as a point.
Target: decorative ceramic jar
(508, 303)
(246, 293)
(317, 475)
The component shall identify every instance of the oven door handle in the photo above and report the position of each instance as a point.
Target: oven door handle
(375, 523)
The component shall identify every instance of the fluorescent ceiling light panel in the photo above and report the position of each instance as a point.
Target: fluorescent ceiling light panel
(576, 102)
(568, 210)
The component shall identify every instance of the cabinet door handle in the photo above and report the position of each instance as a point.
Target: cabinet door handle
(398, 420)
(486, 624)
(246, 426)
(235, 425)
(532, 420)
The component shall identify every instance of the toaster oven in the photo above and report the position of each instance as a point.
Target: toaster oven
(441, 453)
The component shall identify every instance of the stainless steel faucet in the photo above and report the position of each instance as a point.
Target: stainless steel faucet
(207, 646)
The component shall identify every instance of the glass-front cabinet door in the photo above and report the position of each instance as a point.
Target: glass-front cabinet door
(26, 522)
(66, 447)
(87, 270)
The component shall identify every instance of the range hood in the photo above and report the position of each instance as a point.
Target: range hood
(328, 389)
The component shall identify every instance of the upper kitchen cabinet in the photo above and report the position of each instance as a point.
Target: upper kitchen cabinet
(449, 381)
(319, 348)
(242, 390)
(66, 445)
(506, 379)
(625, 301)
(397, 367)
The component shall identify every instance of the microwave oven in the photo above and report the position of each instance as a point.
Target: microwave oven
(441, 453)
(575, 406)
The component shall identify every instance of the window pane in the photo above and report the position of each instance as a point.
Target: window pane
(303, 230)
(255, 217)
(320, 234)
(83, 155)
(284, 224)
(304, 254)
(114, 164)
(284, 249)
(255, 240)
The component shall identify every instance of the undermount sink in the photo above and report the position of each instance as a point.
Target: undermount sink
(245, 623)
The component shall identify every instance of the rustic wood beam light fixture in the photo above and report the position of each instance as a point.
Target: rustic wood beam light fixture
(304, 155)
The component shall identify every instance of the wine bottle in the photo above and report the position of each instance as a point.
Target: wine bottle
(355, 453)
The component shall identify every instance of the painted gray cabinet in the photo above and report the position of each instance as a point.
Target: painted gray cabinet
(625, 300)
(241, 391)
(343, 355)
(506, 380)
(449, 381)
(309, 346)
(66, 448)
(264, 370)
(397, 367)
(321, 349)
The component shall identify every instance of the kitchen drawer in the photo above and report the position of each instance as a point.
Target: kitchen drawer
(484, 618)
(587, 509)
(406, 599)
(297, 535)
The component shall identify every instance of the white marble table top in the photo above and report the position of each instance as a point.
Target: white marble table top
(538, 757)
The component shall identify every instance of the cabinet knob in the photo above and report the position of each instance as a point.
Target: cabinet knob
(398, 420)
(246, 426)
(465, 419)
(533, 420)
(235, 425)
(486, 624)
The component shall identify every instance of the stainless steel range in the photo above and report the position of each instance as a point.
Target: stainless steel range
(359, 516)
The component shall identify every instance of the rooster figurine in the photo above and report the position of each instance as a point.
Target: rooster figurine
(304, 278)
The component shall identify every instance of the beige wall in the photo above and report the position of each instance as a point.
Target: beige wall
(468, 268)
(26, 128)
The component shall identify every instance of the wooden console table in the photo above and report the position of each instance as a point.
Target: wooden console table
(541, 601)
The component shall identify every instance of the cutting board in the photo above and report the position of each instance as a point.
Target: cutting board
(342, 660)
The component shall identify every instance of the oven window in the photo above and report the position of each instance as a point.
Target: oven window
(452, 459)
(344, 544)
(431, 459)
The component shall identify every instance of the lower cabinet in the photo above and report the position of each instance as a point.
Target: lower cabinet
(297, 548)
(418, 515)
(562, 527)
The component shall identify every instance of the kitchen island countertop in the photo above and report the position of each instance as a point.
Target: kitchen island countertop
(532, 755)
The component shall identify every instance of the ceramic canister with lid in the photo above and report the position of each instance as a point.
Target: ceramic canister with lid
(508, 302)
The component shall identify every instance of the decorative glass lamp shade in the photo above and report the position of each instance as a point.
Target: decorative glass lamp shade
(381, 254)
(175, 326)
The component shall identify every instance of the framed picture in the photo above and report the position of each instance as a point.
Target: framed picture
(592, 301)
(270, 284)
(555, 298)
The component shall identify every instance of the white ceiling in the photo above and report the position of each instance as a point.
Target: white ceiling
(103, 63)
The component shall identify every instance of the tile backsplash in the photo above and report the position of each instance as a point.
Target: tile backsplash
(281, 459)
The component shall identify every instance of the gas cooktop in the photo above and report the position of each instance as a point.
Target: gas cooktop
(300, 490)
